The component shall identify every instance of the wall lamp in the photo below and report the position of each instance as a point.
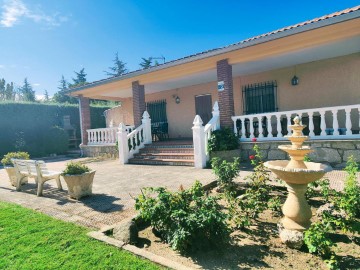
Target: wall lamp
(177, 99)
(295, 79)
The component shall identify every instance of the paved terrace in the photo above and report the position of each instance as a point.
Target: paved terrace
(115, 188)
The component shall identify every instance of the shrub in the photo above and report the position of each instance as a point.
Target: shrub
(6, 161)
(75, 168)
(186, 219)
(225, 171)
(222, 140)
(56, 141)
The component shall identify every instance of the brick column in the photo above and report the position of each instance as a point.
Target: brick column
(138, 92)
(85, 120)
(226, 96)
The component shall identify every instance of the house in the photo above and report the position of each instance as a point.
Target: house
(260, 84)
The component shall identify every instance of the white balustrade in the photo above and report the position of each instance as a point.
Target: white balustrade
(104, 136)
(201, 136)
(345, 124)
(130, 144)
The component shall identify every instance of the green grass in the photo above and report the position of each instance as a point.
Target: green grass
(31, 240)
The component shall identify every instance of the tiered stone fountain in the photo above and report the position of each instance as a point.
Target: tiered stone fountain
(297, 174)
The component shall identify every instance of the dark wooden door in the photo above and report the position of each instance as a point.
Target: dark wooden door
(203, 107)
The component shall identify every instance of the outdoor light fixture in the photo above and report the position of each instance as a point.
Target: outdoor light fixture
(295, 79)
(177, 99)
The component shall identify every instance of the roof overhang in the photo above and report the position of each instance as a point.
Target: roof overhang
(328, 38)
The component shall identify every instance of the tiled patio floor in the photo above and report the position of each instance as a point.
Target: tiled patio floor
(114, 188)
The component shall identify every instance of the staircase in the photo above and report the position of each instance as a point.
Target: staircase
(175, 153)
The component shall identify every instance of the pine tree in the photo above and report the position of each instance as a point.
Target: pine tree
(146, 62)
(46, 96)
(118, 69)
(80, 78)
(9, 91)
(2, 89)
(26, 92)
(60, 96)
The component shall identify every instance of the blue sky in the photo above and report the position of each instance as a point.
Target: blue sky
(43, 40)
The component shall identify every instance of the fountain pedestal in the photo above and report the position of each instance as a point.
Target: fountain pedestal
(297, 174)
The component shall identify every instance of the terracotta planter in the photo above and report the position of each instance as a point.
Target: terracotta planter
(12, 176)
(79, 185)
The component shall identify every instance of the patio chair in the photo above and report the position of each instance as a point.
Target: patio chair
(43, 175)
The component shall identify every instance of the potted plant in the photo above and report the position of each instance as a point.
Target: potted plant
(9, 166)
(79, 179)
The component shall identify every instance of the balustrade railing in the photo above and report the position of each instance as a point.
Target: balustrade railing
(340, 122)
(201, 136)
(104, 136)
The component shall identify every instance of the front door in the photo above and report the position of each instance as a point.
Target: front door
(203, 107)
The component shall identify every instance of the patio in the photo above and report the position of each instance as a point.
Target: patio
(115, 187)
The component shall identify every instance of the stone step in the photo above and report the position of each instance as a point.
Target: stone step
(167, 150)
(158, 161)
(175, 146)
(165, 155)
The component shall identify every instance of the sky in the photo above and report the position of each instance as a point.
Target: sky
(43, 40)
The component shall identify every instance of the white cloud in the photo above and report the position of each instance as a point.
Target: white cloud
(2, 66)
(36, 84)
(14, 10)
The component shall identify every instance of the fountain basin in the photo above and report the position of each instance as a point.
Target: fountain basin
(300, 176)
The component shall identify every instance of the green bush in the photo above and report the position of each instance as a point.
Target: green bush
(24, 125)
(222, 140)
(225, 171)
(75, 168)
(6, 161)
(187, 219)
(56, 141)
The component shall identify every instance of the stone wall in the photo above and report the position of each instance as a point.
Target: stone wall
(109, 151)
(334, 152)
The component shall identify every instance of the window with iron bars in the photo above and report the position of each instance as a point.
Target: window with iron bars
(260, 97)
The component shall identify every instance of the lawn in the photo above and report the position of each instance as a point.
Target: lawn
(31, 240)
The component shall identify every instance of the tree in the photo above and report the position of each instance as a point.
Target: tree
(46, 96)
(2, 89)
(9, 91)
(146, 62)
(118, 69)
(60, 96)
(80, 78)
(26, 92)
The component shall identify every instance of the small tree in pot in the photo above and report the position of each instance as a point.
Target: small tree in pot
(79, 179)
(9, 166)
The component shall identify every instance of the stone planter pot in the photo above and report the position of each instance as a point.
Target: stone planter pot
(12, 176)
(228, 155)
(79, 185)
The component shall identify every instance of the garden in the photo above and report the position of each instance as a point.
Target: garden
(236, 224)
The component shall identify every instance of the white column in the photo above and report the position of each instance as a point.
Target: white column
(216, 113)
(261, 135)
(123, 144)
(269, 127)
(243, 128)
(335, 123)
(278, 126)
(251, 128)
(288, 119)
(311, 124)
(146, 122)
(348, 121)
(322, 123)
(199, 143)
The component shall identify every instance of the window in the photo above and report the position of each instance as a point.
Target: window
(259, 98)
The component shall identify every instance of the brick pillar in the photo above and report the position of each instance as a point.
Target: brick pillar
(85, 120)
(139, 107)
(226, 96)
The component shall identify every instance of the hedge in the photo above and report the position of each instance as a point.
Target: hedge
(25, 126)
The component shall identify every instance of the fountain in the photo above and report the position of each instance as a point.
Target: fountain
(297, 174)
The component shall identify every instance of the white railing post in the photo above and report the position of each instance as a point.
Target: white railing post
(216, 113)
(348, 121)
(260, 128)
(322, 123)
(311, 124)
(146, 121)
(251, 128)
(335, 122)
(288, 119)
(199, 143)
(278, 126)
(123, 144)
